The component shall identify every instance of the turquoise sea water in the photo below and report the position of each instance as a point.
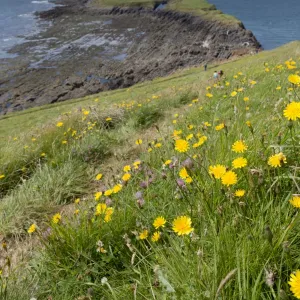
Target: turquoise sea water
(273, 22)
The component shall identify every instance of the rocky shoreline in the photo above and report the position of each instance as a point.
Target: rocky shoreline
(91, 50)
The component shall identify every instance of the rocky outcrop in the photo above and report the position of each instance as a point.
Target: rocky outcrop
(171, 40)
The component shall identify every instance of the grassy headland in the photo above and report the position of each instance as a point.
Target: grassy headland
(195, 7)
(87, 178)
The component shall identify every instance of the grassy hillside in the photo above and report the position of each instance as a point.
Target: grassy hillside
(197, 7)
(179, 188)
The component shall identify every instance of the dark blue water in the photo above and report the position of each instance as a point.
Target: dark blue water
(273, 22)
(17, 21)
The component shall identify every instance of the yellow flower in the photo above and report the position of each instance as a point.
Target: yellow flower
(64, 142)
(295, 283)
(240, 89)
(2, 176)
(190, 127)
(157, 145)
(209, 95)
(292, 111)
(181, 145)
(31, 229)
(143, 235)
(127, 168)
(278, 88)
(108, 192)
(108, 119)
(126, 177)
(76, 212)
(294, 79)
(99, 176)
(117, 188)
(267, 69)
(43, 154)
(207, 124)
(246, 99)
(217, 171)
(176, 133)
(167, 162)
(138, 142)
(155, 237)
(100, 209)
(220, 126)
(239, 163)
(248, 123)
(189, 137)
(136, 164)
(229, 178)
(59, 124)
(56, 218)
(97, 196)
(295, 201)
(86, 112)
(183, 173)
(276, 160)
(182, 225)
(159, 222)
(77, 201)
(239, 147)
(108, 213)
(227, 83)
(240, 193)
(252, 82)
(233, 94)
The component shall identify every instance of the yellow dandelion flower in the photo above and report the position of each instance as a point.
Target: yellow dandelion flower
(59, 124)
(167, 162)
(183, 173)
(143, 235)
(240, 90)
(209, 95)
(182, 225)
(56, 218)
(233, 94)
(239, 163)
(31, 229)
(157, 145)
(2, 176)
(239, 193)
(117, 188)
(207, 124)
(278, 88)
(294, 79)
(64, 142)
(220, 126)
(188, 179)
(76, 212)
(99, 176)
(181, 145)
(189, 137)
(159, 222)
(276, 160)
(155, 236)
(126, 177)
(77, 201)
(229, 178)
(295, 201)
(292, 111)
(253, 82)
(239, 147)
(108, 213)
(97, 195)
(138, 142)
(100, 209)
(227, 83)
(136, 164)
(86, 112)
(107, 193)
(295, 283)
(190, 127)
(246, 99)
(217, 171)
(174, 121)
(248, 123)
(126, 168)
(108, 119)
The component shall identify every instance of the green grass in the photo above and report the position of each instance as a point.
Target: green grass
(196, 7)
(235, 241)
